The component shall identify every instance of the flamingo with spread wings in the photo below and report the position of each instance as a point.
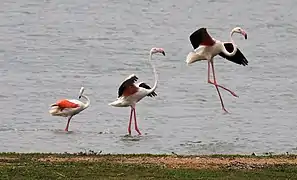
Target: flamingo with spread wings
(206, 48)
(130, 93)
(69, 107)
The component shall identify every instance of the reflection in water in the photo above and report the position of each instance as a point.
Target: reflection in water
(130, 138)
(60, 131)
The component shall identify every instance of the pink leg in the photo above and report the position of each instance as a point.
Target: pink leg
(129, 126)
(215, 83)
(67, 126)
(136, 127)
(214, 78)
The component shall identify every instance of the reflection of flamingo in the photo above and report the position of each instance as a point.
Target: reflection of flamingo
(69, 107)
(206, 48)
(130, 93)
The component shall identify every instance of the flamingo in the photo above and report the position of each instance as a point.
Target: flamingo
(206, 48)
(130, 93)
(69, 107)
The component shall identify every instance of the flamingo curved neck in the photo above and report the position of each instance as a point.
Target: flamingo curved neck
(234, 46)
(87, 104)
(155, 73)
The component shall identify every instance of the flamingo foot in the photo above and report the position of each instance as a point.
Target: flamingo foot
(66, 129)
(225, 110)
(129, 131)
(231, 92)
(137, 130)
(235, 95)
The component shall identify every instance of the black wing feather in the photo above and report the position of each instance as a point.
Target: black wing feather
(143, 85)
(199, 36)
(128, 82)
(238, 58)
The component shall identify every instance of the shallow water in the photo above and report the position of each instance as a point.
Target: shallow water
(49, 49)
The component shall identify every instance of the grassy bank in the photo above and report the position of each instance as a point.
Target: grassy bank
(145, 166)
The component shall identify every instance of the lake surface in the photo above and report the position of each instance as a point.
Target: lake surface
(49, 49)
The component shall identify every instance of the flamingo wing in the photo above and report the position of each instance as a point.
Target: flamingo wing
(127, 84)
(143, 85)
(64, 103)
(201, 37)
(238, 58)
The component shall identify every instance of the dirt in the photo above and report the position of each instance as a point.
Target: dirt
(184, 162)
(7, 160)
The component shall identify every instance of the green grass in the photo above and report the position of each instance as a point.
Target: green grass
(27, 166)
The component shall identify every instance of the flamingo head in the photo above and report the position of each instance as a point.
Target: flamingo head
(157, 50)
(81, 91)
(239, 30)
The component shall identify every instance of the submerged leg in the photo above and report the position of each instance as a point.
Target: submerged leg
(136, 127)
(67, 126)
(215, 83)
(130, 121)
(214, 78)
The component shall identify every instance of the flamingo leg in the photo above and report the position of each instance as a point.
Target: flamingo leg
(214, 78)
(129, 126)
(67, 126)
(215, 83)
(136, 127)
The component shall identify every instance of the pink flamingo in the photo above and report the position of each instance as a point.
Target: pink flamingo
(130, 93)
(206, 48)
(69, 107)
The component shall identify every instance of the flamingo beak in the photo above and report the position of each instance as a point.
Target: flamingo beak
(79, 97)
(54, 105)
(163, 52)
(244, 34)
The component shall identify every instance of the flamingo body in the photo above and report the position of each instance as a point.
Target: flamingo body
(204, 52)
(66, 107)
(126, 101)
(130, 93)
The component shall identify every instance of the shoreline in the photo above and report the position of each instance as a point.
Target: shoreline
(92, 165)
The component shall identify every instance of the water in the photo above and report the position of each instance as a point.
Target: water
(49, 49)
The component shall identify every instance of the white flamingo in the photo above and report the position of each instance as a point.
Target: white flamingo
(130, 93)
(69, 107)
(206, 48)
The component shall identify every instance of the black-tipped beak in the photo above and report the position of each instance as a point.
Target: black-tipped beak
(54, 105)
(245, 36)
(163, 53)
(79, 97)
